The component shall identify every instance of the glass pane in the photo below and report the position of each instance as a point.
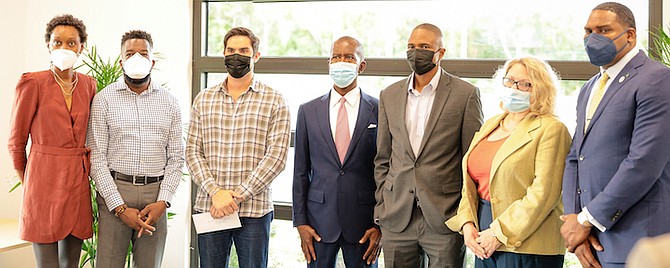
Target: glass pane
(314, 86)
(499, 31)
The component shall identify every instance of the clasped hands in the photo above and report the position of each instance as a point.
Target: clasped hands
(579, 240)
(483, 244)
(308, 235)
(224, 203)
(143, 221)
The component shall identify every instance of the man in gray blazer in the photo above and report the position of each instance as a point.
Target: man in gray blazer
(426, 123)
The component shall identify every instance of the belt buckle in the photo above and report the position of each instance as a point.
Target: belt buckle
(135, 177)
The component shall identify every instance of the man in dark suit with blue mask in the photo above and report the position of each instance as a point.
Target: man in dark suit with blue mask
(616, 185)
(333, 180)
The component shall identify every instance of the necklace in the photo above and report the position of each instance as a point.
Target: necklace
(62, 82)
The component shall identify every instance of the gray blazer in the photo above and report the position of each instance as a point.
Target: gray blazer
(434, 175)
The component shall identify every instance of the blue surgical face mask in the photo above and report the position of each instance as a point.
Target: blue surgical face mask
(343, 73)
(513, 100)
(601, 50)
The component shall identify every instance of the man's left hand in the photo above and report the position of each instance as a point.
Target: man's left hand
(374, 235)
(153, 212)
(573, 232)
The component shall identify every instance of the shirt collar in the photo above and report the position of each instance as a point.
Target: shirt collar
(123, 86)
(253, 86)
(433, 82)
(615, 69)
(351, 96)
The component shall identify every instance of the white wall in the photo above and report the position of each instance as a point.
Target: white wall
(23, 49)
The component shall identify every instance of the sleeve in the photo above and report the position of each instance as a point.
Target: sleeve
(301, 170)
(274, 161)
(524, 216)
(382, 159)
(98, 141)
(175, 156)
(26, 100)
(570, 202)
(472, 120)
(195, 154)
(648, 153)
(465, 206)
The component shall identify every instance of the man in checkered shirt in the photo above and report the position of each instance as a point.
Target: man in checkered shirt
(136, 158)
(237, 144)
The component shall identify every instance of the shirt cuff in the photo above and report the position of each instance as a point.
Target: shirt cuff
(114, 201)
(585, 215)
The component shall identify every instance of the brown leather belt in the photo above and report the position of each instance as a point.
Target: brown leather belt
(136, 180)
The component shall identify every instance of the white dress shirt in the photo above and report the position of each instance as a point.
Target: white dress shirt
(419, 105)
(353, 100)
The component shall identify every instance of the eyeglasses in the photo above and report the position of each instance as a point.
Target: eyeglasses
(520, 85)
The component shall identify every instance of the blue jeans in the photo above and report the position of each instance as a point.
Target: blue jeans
(251, 243)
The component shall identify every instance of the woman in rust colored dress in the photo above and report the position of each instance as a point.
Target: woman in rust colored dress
(52, 108)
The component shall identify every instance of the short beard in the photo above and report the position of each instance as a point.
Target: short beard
(137, 82)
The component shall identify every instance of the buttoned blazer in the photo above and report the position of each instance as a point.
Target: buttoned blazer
(620, 169)
(435, 172)
(334, 198)
(525, 185)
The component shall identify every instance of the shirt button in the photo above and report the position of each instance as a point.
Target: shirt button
(411, 191)
(494, 200)
(416, 165)
(341, 172)
(517, 244)
(581, 158)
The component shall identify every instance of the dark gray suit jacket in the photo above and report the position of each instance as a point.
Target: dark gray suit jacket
(435, 173)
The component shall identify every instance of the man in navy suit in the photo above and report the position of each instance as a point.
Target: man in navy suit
(333, 180)
(616, 185)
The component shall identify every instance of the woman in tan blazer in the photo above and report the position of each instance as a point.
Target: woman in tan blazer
(512, 174)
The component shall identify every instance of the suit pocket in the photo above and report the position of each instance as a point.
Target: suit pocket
(316, 196)
(388, 183)
(452, 187)
(367, 197)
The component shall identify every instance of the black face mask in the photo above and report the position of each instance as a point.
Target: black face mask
(136, 82)
(420, 60)
(238, 65)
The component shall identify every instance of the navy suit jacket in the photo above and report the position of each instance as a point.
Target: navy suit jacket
(334, 198)
(619, 169)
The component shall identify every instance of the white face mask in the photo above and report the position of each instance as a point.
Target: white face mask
(137, 66)
(343, 73)
(63, 58)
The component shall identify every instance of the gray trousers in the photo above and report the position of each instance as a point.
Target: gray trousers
(419, 246)
(64, 253)
(114, 235)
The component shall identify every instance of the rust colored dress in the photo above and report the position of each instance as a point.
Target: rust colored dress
(56, 192)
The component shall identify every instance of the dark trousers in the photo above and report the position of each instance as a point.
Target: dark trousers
(326, 254)
(501, 259)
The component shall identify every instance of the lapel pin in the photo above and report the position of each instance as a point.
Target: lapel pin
(621, 79)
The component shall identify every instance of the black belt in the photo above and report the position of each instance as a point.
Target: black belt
(136, 180)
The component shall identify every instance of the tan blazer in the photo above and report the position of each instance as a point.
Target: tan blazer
(525, 186)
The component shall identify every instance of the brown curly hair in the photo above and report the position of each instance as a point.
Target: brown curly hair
(66, 20)
(137, 34)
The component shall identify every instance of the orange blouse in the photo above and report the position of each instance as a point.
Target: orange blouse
(56, 192)
(480, 162)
